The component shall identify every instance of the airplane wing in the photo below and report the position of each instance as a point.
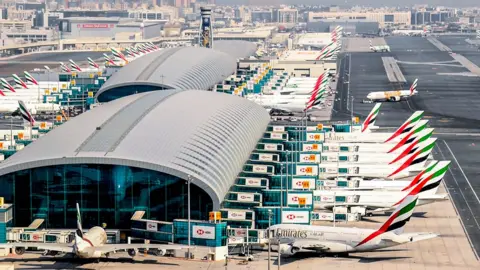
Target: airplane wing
(415, 237)
(371, 207)
(66, 248)
(115, 247)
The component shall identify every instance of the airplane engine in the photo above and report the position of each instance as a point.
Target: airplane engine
(288, 249)
(394, 98)
(161, 252)
(19, 250)
(132, 252)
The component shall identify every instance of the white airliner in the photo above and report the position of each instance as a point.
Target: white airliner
(92, 244)
(394, 95)
(408, 32)
(379, 48)
(293, 238)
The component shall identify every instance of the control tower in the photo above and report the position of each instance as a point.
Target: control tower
(206, 31)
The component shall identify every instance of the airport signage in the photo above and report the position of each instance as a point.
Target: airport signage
(275, 135)
(310, 158)
(239, 232)
(245, 197)
(239, 215)
(270, 146)
(152, 226)
(259, 168)
(95, 25)
(296, 217)
(299, 199)
(236, 240)
(203, 232)
(278, 128)
(253, 182)
(315, 137)
(306, 170)
(265, 157)
(312, 147)
(303, 183)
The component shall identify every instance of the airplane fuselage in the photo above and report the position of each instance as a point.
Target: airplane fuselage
(95, 237)
(341, 240)
(389, 95)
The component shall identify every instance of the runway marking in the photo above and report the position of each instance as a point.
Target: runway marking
(468, 181)
(456, 209)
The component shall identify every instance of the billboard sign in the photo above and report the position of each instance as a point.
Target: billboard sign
(203, 232)
(306, 170)
(152, 226)
(259, 168)
(315, 158)
(296, 217)
(315, 136)
(270, 146)
(265, 157)
(245, 197)
(299, 199)
(312, 147)
(303, 183)
(95, 25)
(253, 182)
(239, 215)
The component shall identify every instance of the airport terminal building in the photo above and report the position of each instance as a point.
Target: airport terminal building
(135, 154)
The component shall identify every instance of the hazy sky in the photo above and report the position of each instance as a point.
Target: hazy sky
(458, 3)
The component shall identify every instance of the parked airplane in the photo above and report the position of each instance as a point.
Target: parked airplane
(409, 32)
(65, 68)
(379, 48)
(74, 65)
(109, 60)
(367, 201)
(293, 238)
(92, 63)
(92, 244)
(394, 95)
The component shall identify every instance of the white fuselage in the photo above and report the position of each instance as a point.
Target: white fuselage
(332, 170)
(95, 237)
(374, 200)
(340, 239)
(358, 137)
(362, 158)
(390, 95)
(32, 106)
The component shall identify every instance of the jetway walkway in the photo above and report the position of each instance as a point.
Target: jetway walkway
(393, 71)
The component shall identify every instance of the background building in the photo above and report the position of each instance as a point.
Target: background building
(382, 17)
(349, 26)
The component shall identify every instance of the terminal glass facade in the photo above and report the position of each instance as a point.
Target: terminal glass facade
(124, 91)
(106, 193)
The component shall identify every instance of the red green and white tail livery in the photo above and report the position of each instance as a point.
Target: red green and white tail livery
(372, 116)
(417, 158)
(25, 113)
(344, 240)
(408, 125)
(65, 68)
(74, 65)
(7, 86)
(411, 136)
(30, 78)
(433, 175)
(117, 54)
(108, 60)
(92, 63)
(420, 141)
(19, 81)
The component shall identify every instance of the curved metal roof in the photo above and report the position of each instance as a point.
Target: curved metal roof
(179, 68)
(204, 134)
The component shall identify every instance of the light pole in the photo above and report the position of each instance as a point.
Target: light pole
(269, 236)
(188, 202)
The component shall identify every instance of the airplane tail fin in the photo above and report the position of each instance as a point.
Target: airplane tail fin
(64, 67)
(74, 65)
(25, 113)
(397, 220)
(371, 45)
(7, 86)
(411, 136)
(19, 81)
(92, 63)
(79, 222)
(30, 78)
(413, 87)
(371, 118)
(421, 140)
(434, 173)
(419, 157)
(408, 125)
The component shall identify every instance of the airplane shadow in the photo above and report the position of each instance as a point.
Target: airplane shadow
(75, 263)
(303, 255)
